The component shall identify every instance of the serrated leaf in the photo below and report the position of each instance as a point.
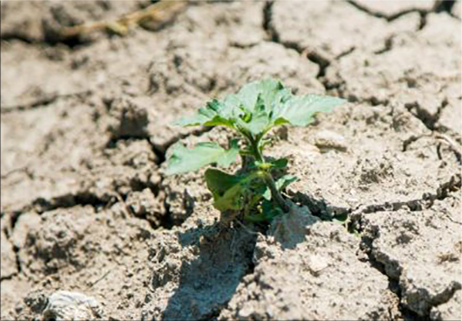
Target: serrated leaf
(300, 110)
(257, 98)
(256, 124)
(184, 160)
(259, 106)
(215, 113)
(265, 90)
(281, 184)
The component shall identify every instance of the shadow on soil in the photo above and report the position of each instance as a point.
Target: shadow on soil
(224, 257)
(209, 282)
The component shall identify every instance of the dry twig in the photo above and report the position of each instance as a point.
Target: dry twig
(159, 12)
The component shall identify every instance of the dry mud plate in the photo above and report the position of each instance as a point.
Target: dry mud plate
(92, 228)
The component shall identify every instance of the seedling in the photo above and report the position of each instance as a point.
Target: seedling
(255, 190)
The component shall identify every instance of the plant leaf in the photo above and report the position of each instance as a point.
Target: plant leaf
(232, 199)
(264, 90)
(257, 123)
(219, 182)
(233, 192)
(227, 190)
(257, 99)
(268, 212)
(259, 106)
(215, 113)
(184, 160)
(300, 110)
(279, 163)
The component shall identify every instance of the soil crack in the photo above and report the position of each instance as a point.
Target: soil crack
(428, 119)
(319, 208)
(42, 102)
(388, 46)
(445, 6)
(440, 6)
(18, 266)
(393, 284)
(366, 245)
(345, 53)
(42, 205)
(267, 25)
(312, 56)
(8, 235)
(50, 39)
(426, 201)
(441, 137)
(387, 17)
(16, 36)
(431, 122)
(85, 197)
(160, 150)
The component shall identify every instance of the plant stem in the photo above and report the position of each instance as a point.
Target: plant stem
(268, 178)
(256, 151)
(275, 195)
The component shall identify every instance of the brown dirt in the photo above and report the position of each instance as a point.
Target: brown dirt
(86, 206)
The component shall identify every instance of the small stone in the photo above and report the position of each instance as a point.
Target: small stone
(64, 305)
(330, 140)
(317, 264)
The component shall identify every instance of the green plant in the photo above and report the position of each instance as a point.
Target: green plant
(258, 107)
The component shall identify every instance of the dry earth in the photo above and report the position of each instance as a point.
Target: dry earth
(86, 207)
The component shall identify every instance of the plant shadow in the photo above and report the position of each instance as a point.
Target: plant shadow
(222, 258)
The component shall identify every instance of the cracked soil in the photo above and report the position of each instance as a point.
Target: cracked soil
(86, 207)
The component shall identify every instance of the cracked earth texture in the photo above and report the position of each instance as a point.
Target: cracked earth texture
(85, 131)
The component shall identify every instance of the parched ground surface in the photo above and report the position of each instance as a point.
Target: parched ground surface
(86, 207)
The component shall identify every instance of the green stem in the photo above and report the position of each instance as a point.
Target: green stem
(267, 177)
(256, 151)
(275, 195)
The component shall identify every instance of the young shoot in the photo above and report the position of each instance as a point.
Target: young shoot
(255, 191)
